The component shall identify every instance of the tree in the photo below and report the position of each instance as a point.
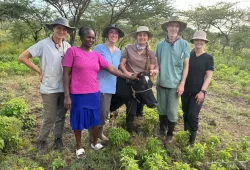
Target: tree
(223, 16)
(72, 10)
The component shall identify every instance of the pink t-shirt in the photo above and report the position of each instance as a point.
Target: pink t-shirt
(85, 66)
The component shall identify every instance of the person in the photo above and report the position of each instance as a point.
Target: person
(137, 58)
(173, 58)
(107, 81)
(50, 52)
(82, 95)
(201, 67)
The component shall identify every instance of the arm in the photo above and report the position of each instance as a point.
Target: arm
(118, 73)
(66, 81)
(200, 96)
(123, 68)
(25, 59)
(180, 88)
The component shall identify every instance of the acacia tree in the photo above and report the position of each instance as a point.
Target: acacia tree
(72, 10)
(223, 16)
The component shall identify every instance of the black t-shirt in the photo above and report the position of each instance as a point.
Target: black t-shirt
(197, 71)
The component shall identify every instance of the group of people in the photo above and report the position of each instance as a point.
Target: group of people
(83, 80)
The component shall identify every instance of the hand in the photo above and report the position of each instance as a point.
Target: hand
(40, 77)
(199, 97)
(129, 73)
(180, 89)
(153, 72)
(67, 103)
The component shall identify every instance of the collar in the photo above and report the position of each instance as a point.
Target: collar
(172, 43)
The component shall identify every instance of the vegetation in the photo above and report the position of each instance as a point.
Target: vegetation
(223, 141)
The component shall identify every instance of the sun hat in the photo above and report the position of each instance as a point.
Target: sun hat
(60, 21)
(143, 29)
(112, 26)
(201, 35)
(174, 19)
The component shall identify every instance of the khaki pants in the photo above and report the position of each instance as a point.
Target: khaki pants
(53, 114)
(168, 102)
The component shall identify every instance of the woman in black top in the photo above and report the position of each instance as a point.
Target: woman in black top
(201, 66)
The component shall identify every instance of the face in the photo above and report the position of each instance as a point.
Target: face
(60, 31)
(88, 39)
(113, 35)
(142, 38)
(173, 28)
(199, 44)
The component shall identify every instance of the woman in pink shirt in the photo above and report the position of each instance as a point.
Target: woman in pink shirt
(81, 90)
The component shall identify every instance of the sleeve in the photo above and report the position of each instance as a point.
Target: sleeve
(157, 53)
(125, 52)
(102, 62)
(210, 63)
(36, 49)
(68, 58)
(186, 50)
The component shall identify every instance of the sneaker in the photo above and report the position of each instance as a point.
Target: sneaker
(41, 146)
(80, 153)
(58, 143)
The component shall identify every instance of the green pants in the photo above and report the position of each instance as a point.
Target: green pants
(53, 115)
(168, 102)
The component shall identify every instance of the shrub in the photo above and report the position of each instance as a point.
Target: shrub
(128, 151)
(224, 155)
(58, 163)
(213, 141)
(153, 146)
(121, 120)
(29, 121)
(216, 167)
(1, 144)
(129, 163)
(155, 162)
(151, 119)
(180, 166)
(196, 153)
(10, 128)
(245, 143)
(182, 138)
(118, 136)
(16, 107)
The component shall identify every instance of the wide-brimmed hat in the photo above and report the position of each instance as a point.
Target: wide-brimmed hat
(175, 19)
(201, 35)
(60, 21)
(143, 29)
(112, 26)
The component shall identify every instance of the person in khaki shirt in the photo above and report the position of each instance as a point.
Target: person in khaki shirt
(137, 58)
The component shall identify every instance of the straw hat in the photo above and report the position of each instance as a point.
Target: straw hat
(201, 35)
(143, 29)
(112, 26)
(174, 19)
(61, 21)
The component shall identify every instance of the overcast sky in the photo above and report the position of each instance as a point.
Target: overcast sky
(187, 4)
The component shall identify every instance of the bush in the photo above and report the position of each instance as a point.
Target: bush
(216, 167)
(129, 163)
(58, 163)
(151, 119)
(155, 162)
(180, 166)
(10, 128)
(196, 153)
(128, 151)
(182, 138)
(224, 155)
(213, 141)
(16, 107)
(118, 136)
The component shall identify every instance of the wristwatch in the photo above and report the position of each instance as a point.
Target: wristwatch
(204, 91)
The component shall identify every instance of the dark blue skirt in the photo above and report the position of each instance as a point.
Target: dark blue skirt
(85, 111)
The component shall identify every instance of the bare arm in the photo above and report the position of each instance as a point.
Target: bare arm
(66, 81)
(123, 68)
(118, 73)
(200, 96)
(25, 59)
(180, 88)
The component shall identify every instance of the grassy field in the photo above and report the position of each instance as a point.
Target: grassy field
(225, 114)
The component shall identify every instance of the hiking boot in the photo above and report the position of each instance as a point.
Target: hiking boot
(58, 143)
(170, 133)
(41, 146)
(192, 137)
